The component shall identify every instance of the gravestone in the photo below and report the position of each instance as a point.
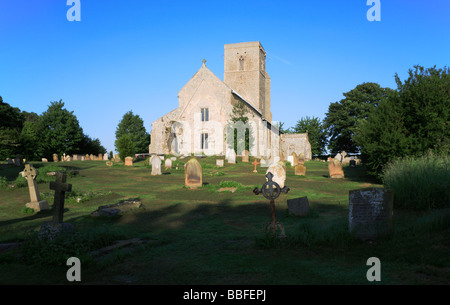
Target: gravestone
(87, 157)
(100, 157)
(55, 157)
(44, 160)
(91, 157)
(335, 169)
(370, 212)
(168, 164)
(231, 156)
(128, 161)
(193, 174)
(30, 173)
(18, 161)
(338, 157)
(301, 158)
(245, 156)
(105, 157)
(50, 229)
(68, 159)
(298, 206)
(155, 161)
(278, 172)
(219, 162)
(83, 158)
(295, 159)
(300, 170)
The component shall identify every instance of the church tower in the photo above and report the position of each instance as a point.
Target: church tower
(245, 72)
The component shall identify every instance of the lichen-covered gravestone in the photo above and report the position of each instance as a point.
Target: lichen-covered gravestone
(278, 172)
(300, 170)
(128, 161)
(370, 212)
(193, 174)
(30, 173)
(335, 169)
(155, 161)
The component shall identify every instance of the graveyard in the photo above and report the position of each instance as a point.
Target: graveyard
(144, 222)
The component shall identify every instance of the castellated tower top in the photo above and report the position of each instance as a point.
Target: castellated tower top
(245, 72)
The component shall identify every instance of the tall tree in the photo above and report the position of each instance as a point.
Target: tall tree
(133, 126)
(317, 133)
(410, 122)
(60, 130)
(342, 116)
(239, 113)
(11, 123)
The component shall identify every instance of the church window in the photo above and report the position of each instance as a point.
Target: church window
(204, 141)
(205, 114)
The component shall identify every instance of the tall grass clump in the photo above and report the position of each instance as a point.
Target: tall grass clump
(419, 183)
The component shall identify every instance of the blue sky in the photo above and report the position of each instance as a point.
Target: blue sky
(136, 55)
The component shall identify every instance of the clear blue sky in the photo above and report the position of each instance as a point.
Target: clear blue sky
(137, 54)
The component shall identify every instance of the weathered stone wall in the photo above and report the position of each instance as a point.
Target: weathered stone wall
(298, 143)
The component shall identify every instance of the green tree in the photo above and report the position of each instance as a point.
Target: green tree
(11, 123)
(125, 146)
(60, 131)
(317, 133)
(132, 126)
(342, 116)
(30, 142)
(410, 122)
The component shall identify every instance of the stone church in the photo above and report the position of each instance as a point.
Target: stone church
(201, 123)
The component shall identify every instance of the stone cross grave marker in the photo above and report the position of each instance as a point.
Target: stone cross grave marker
(35, 203)
(60, 187)
(271, 190)
(370, 212)
(255, 163)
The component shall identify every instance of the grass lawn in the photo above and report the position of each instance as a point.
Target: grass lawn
(215, 238)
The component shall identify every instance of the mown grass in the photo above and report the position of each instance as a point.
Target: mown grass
(207, 237)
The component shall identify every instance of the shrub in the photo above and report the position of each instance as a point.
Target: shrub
(419, 183)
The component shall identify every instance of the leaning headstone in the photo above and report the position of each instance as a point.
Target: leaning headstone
(231, 156)
(370, 212)
(219, 162)
(50, 229)
(278, 172)
(300, 170)
(298, 206)
(335, 169)
(245, 155)
(128, 161)
(168, 164)
(35, 203)
(155, 161)
(193, 174)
